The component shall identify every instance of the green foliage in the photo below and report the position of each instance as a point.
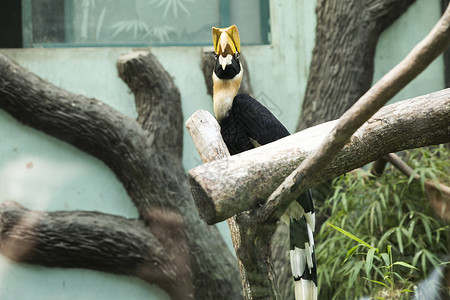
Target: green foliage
(382, 237)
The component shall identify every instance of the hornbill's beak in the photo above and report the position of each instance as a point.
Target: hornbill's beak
(226, 42)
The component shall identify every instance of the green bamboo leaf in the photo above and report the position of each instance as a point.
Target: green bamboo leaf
(432, 258)
(416, 257)
(383, 200)
(412, 225)
(406, 291)
(426, 225)
(434, 178)
(350, 253)
(411, 178)
(390, 280)
(344, 202)
(350, 235)
(424, 262)
(369, 260)
(399, 239)
(380, 216)
(355, 272)
(376, 281)
(385, 258)
(385, 236)
(371, 219)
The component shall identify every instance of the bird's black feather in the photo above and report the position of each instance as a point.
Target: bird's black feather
(248, 119)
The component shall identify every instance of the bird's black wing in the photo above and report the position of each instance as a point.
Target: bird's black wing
(234, 134)
(260, 124)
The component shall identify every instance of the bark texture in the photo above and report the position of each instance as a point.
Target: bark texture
(192, 260)
(347, 33)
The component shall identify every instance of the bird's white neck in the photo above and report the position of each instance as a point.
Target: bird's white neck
(224, 91)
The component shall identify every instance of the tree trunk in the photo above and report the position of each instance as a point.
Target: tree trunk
(168, 245)
(347, 33)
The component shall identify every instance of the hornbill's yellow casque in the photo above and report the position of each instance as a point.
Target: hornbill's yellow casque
(246, 124)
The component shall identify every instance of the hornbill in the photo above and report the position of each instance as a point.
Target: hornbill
(246, 124)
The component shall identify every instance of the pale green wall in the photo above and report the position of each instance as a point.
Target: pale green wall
(396, 42)
(64, 178)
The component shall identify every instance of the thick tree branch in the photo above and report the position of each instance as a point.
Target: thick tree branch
(157, 100)
(94, 241)
(309, 171)
(243, 181)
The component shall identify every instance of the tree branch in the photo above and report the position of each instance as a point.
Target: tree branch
(390, 84)
(241, 182)
(205, 132)
(157, 100)
(94, 241)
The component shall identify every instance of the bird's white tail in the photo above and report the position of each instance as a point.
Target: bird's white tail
(302, 250)
(305, 290)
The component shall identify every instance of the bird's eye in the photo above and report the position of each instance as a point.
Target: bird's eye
(216, 56)
(236, 55)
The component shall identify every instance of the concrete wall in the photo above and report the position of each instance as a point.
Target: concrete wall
(41, 172)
